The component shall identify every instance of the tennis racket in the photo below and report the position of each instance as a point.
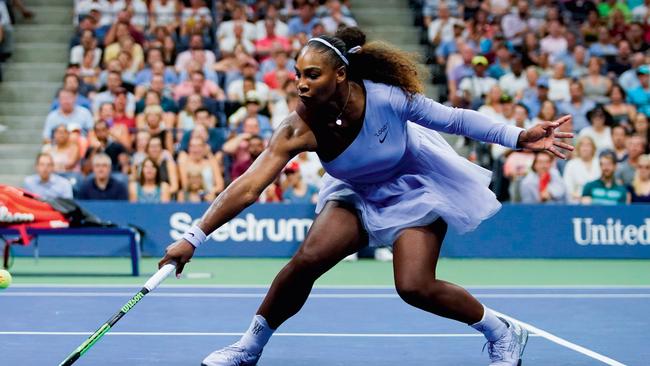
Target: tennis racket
(149, 286)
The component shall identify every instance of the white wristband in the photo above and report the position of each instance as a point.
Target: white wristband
(195, 236)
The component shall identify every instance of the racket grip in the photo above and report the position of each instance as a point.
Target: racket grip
(160, 276)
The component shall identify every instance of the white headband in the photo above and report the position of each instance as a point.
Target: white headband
(354, 49)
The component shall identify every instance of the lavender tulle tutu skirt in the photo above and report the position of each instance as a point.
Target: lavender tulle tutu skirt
(431, 182)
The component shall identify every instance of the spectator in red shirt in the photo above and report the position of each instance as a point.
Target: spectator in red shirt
(264, 46)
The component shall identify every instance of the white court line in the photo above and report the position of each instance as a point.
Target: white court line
(211, 334)
(335, 287)
(563, 342)
(236, 295)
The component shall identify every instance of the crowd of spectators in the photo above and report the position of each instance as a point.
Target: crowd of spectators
(525, 61)
(170, 100)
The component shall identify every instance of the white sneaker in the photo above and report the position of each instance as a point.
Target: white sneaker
(383, 255)
(507, 350)
(351, 258)
(233, 355)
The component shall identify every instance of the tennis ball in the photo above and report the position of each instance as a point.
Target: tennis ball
(5, 279)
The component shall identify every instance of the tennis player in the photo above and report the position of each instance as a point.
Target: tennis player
(390, 179)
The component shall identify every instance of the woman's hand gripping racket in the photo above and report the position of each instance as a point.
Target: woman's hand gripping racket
(149, 286)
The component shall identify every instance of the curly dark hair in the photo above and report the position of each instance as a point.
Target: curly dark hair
(376, 61)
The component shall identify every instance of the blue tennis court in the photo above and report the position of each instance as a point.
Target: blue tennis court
(347, 325)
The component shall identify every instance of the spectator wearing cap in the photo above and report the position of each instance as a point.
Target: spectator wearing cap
(196, 52)
(45, 183)
(198, 84)
(544, 183)
(295, 190)
(600, 128)
(101, 185)
(305, 21)
(64, 152)
(336, 18)
(514, 81)
(71, 83)
(605, 190)
(67, 113)
(627, 169)
(113, 87)
(442, 28)
(475, 87)
(577, 107)
(265, 46)
(555, 44)
(102, 142)
(640, 96)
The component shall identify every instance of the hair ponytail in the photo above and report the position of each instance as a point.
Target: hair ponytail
(376, 61)
(380, 62)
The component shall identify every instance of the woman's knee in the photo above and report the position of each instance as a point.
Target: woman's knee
(308, 262)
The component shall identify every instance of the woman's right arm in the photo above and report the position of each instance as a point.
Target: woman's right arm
(292, 137)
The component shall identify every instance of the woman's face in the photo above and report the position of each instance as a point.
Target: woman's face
(594, 66)
(316, 77)
(644, 168)
(641, 124)
(141, 140)
(586, 150)
(616, 96)
(195, 182)
(155, 148)
(60, 135)
(548, 111)
(149, 170)
(598, 120)
(151, 99)
(153, 120)
(194, 103)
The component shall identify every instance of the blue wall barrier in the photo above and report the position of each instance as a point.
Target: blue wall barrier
(276, 230)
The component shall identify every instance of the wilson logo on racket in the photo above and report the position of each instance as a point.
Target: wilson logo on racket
(132, 302)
